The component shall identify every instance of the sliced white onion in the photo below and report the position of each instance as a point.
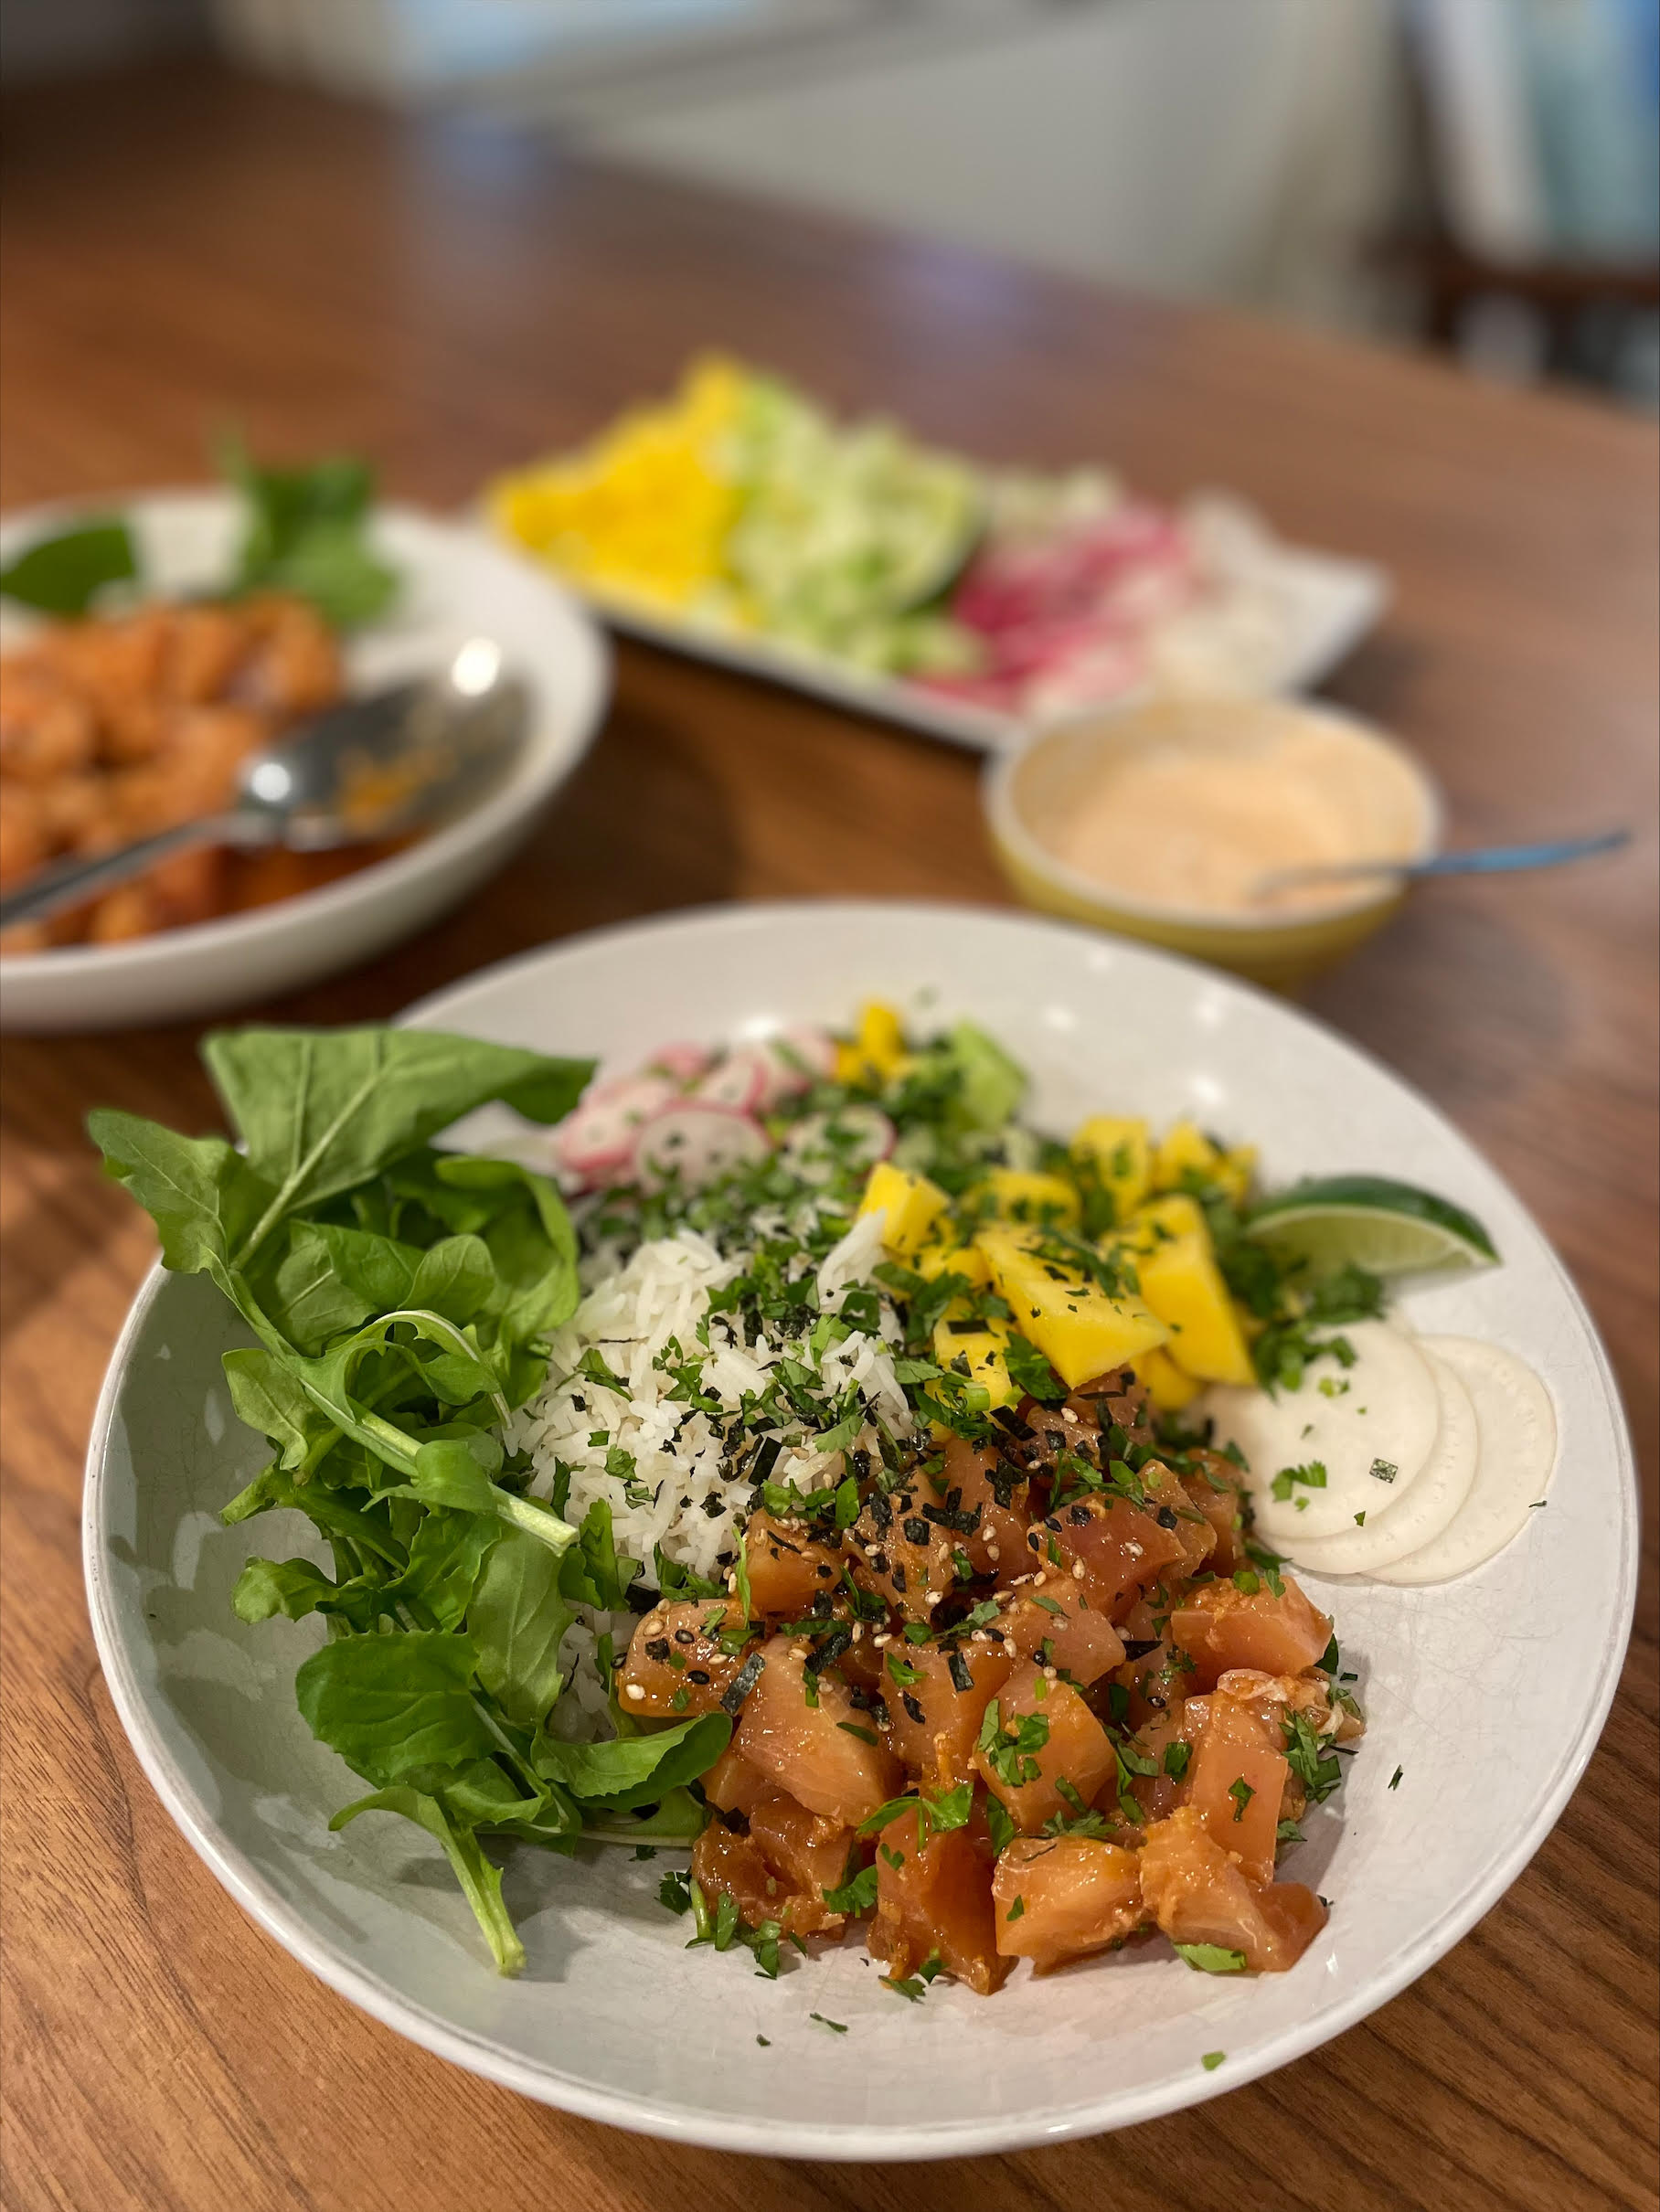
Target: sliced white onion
(1441, 1488)
(1517, 1428)
(1384, 1410)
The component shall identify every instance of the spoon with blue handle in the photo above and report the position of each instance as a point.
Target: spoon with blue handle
(1485, 860)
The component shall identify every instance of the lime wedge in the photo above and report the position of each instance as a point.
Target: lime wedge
(1390, 1228)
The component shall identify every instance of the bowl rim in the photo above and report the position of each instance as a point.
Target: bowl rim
(478, 2053)
(536, 774)
(1009, 829)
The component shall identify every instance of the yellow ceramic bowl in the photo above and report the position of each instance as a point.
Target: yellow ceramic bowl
(1032, 791)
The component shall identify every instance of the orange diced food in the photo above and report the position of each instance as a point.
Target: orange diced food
(824, 1753)
(1222, 1626)
(934, 1901)
(1043, 1735)
(787, 1569)
(1060, 1898)
(1081, 1642)
(936, 1698)
(1236, 1780)
(676, 1665)
(1198, 1894)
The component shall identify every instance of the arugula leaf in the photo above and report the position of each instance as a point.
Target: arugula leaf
(447, 1554)
(322, 1109)
(270, 1396)
(290, 1586)
(392, 1705)
(456, 1470)
(64, 574)
(593, 1573)
(203, 1197)
(517, 1620)
(480, 1878)
(634, 1769)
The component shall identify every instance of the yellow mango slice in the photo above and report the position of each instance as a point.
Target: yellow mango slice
(877, 1053)
(1181, 1282)
(910, 1203)
(965, 1260)
(1185, 1152)
(1080, 1329)
(978, 1354)
(1165, 1384)
(1162, 1220)
(1117, 1151)
(1025, 1195)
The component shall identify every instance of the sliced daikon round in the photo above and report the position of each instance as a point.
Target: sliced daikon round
(1439, 1489)
(1516, 1423)
(1380, 1414)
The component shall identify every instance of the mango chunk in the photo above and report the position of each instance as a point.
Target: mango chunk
(965, 1260)
(1117, 1151)
(1181, 1282)
(877, 1053)
(976, 1352)
(1081, 1329)
(910, 1203)
(1025, 1195)
(1169, 1388)
(1186, 1153)
(1164, 1221)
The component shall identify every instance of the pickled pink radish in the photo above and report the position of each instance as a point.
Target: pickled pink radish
(854, 1136)
(597, 1139)
(696, 1142)
(813, 1049)
(744, 1081)
(684, 1062)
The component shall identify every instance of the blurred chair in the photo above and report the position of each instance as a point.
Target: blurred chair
(1541, 125)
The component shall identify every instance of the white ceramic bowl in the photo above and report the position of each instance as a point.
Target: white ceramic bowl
(1487, 1693)
(458, 583)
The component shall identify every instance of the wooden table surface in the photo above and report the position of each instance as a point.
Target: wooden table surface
(181, 248)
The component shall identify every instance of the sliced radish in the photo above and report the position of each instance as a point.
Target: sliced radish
(597, 1141)
(696, 1142)
(855, 1136)
(685, 1063)
(743, 1081)
(803, 1056)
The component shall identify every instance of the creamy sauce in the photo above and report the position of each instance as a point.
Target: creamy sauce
(1186, 805)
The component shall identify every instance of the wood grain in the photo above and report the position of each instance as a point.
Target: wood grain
(180, 247)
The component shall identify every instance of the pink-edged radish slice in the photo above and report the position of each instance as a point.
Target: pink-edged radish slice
(742, 1081)
(684, 1063)
(597, 1139)
(802, 1056)
(855, 1136)
(697, 1141)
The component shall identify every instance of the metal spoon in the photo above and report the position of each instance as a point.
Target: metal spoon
(369, 769)
(1485, 860)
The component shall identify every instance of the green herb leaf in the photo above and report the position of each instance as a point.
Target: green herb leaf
(1211, 1958)
(63, 575)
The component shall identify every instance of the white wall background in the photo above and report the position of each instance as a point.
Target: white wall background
(1233, 148)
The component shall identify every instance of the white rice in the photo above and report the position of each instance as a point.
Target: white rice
(684, 1493)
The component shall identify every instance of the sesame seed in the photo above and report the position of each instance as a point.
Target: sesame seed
(1034, 1579)
(1078, 1571)
(1051, 1674)
(635, 1691)
(858, 1630)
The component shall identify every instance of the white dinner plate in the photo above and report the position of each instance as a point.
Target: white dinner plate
(1487, 1694)
(457, 583)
